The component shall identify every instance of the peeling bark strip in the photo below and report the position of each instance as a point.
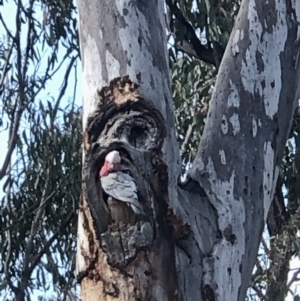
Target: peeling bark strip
(125, 261)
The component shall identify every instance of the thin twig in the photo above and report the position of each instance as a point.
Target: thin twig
(12, 143)
(267, 250)
(187, 138)
(6, 28)
(65, 84)
(16, 122)
(9, 244)
(71, 296)
(6, 63)
(259, 293)
(294, 278)
(29, 210)
(29, 44)
(48, 244)
(34, 228)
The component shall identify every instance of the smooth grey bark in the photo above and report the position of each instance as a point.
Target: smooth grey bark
(241, 149)
(121, 38)
(232, 180)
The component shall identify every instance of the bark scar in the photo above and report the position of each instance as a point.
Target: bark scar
(124, 121)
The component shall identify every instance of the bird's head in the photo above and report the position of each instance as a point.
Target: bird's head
(112, 163)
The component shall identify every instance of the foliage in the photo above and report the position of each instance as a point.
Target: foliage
(198, 34)
(41, 171)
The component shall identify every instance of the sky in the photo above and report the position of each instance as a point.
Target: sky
(7, 11)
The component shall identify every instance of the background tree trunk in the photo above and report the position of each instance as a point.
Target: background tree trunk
(232, 181)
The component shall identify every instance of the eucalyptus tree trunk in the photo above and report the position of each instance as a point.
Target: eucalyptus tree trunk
(225, 201)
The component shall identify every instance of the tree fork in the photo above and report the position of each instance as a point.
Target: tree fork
(122, 261)
(231, 183)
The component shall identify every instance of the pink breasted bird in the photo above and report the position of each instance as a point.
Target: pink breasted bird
(118, 184)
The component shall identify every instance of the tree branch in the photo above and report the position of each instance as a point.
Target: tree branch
(259, 293)
(9, 245)
(34, 228)
(193, 46)
(6, 63)
(21, 101)
(294, 278)
(47, 245)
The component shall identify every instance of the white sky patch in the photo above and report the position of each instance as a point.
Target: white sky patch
(234, 120)
(224, 125)
(233, 98)
(254, 127)
(295, 287)
(222, 156)
(270, 46)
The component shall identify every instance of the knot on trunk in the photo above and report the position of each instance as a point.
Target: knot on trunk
(124, 115)
(126, 122)
(131, 238)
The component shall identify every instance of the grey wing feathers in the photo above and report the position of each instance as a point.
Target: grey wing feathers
(122, 187)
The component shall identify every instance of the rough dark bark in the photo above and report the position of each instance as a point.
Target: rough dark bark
(231, 184)
(134, 253)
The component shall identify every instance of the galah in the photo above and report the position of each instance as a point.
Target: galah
(118, 184)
